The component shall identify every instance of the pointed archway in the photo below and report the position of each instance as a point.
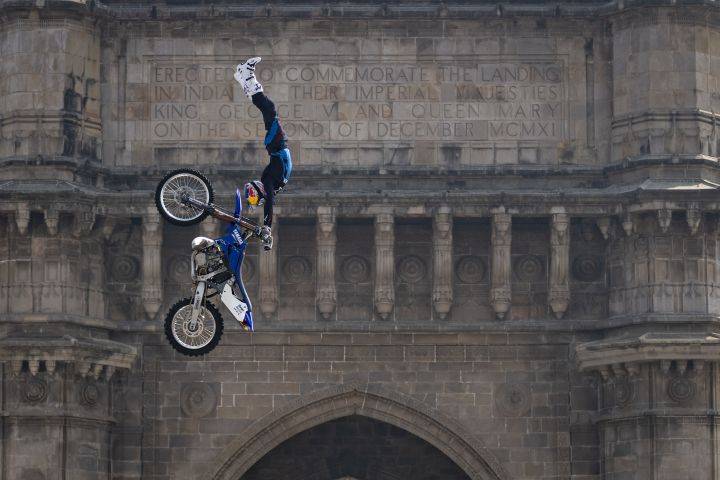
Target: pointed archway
(448, 436)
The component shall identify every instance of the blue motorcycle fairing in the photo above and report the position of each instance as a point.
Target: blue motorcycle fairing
(233, 247)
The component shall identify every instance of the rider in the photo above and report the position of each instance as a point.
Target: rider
(276, 174)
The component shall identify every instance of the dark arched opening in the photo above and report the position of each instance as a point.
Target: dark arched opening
(356, 447)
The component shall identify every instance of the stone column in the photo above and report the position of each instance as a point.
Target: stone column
(384, 264)
(442, 262)
(501, 242)
(152, 256)
(268, 275)
(559, 261)
(326, 236)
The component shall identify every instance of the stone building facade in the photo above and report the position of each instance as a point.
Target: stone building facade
(498, 257)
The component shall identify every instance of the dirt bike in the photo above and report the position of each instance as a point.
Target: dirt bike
(193, 326)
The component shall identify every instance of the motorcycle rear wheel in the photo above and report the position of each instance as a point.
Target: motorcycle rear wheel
(200, 340)
(179, 184)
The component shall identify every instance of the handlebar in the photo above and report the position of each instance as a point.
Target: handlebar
(220, 214)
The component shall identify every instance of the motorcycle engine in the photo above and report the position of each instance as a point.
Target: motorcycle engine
(209, 260)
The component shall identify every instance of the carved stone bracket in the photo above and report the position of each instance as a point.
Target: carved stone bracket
(22, 217)
(152, 256)
(559, 264)
(326, 297)
(628, 224)
(89, 357)
(664, 216)
(501, 242)
(52, 220)
(83, 222)
(442, 258)
(693, 215)
(604, 224)
(268, 276)
(385, 260)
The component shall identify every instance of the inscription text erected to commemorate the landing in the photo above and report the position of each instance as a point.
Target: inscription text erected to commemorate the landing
(473, 102)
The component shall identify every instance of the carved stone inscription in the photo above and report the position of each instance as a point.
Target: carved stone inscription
(485, 101)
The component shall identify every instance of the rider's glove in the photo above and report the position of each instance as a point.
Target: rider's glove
(266, 237)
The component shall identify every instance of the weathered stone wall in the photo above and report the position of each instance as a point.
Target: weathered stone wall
(501, 238)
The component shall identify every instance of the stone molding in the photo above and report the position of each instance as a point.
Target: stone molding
(117, 11)
(89, 357)
(450, 437)
(621, 354)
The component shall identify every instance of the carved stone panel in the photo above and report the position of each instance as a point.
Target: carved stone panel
(588, 285)
(123, 271)
(471, 276)
(355, 270)
(296, 264)
(530, 268)
(413, 270)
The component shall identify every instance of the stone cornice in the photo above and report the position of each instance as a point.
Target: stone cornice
(119, 10)
(89, 356)
(649, 347)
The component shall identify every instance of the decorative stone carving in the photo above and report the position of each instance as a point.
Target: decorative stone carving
(178, 269)
(355, 269)
(22, 217)
(559, 259)
(411, 269)
(604, 224)
(664, 218)
(442, 262)
(198, 400)
(52, 220)
(268, 294)
(501, 241)
(628, 224)
(529, 268)
(83, 222)
(384, 264)
(623, 391)
(124, 268)
(326, 235)
(512, 400)
(681, 389)
(89, 394)
(152, 255)
(297, 269)
(470, 269)
(35, 390)
(587, 268)
(693, 215)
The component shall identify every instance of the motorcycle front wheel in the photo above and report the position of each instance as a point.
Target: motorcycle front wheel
(197, 340)
(175, 189)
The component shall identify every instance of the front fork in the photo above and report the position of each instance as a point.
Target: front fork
(197, 304)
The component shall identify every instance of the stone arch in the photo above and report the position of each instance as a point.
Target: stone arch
(445, 434)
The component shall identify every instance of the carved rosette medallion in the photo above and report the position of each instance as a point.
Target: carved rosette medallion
(623, 391)
(297, 269)
(178, 269)
(411, 269)
(470, 269)
(124, 268)
(197, 400)
(355, 269)
(587, 268)
(89, 394)
(512, 400)
(529, 268)
(35, 390)
(681, 389)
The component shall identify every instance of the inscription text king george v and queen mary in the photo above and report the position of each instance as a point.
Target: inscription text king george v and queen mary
(518, 100)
